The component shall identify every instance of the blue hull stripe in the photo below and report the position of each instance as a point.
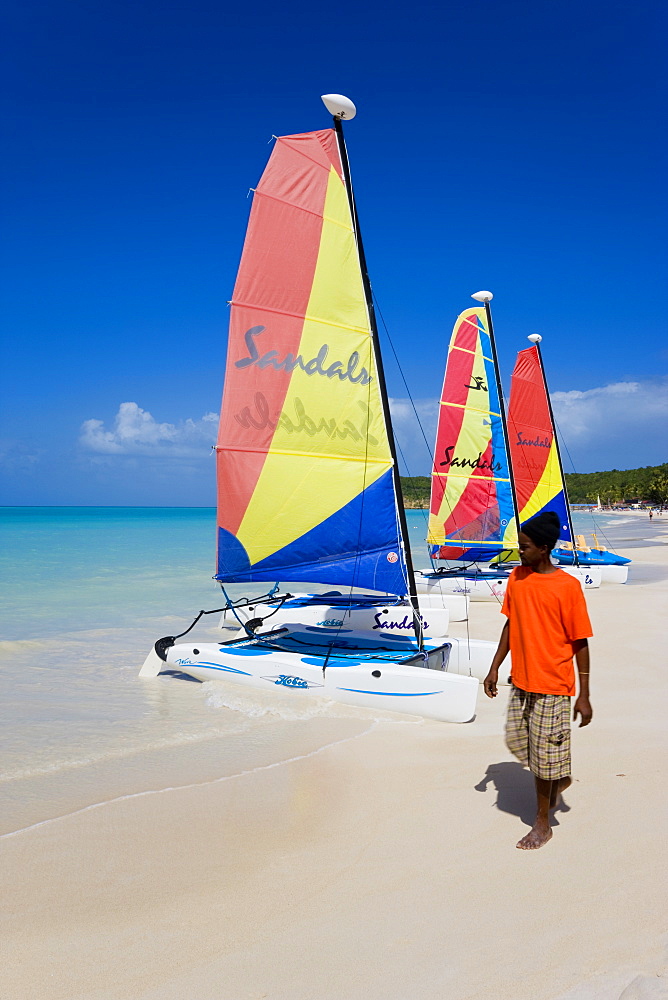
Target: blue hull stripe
(392, 694)
(213, 666)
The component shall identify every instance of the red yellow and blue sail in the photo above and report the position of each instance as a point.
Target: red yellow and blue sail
(471, 513)
(305, 472)
(533, 447)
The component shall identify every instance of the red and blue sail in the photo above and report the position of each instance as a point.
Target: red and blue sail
(305, 471)
(471, 512)
(539, 485)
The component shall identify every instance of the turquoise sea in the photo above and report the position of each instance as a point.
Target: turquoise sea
(85, 592)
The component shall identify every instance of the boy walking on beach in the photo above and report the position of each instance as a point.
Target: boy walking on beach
(547, 626)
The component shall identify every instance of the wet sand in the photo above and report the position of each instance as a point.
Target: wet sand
(383, 865)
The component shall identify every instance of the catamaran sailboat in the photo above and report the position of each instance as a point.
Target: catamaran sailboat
(613, 567)
(483, 483)
(538, 471)
(473, 515)
(308, 484)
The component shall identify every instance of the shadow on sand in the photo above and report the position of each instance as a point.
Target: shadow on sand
(515, 791)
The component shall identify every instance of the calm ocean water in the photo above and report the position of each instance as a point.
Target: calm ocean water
(84, 594)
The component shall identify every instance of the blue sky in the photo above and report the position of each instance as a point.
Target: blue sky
(513, 146)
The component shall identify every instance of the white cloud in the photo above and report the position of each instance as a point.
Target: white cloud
(621, 425)
(580, 414)
(136, 432)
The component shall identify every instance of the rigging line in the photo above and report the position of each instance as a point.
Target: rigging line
(230, 606)
(380, 372)
(597, 524)
(423, 510)
(234, 612)
(556, 428)
(419, 422)
(449, 505)
(242, 602)
(403, 377)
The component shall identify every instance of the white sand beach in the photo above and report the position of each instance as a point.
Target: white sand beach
(383, 865)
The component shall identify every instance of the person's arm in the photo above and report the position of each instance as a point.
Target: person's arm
(582, 706)
(490, 682)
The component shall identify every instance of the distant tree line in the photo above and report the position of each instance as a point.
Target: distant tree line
(646, 485)
(416, 490)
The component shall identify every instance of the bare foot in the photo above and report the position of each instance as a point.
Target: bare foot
(558, 787)
(535, 838)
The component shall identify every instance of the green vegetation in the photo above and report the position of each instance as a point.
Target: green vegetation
(648, 485)
(415, 490)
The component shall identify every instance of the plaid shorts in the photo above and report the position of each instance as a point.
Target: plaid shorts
(538, 732)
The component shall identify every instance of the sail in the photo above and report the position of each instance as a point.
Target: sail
(533, 447)
(471, 513)
(305, 472)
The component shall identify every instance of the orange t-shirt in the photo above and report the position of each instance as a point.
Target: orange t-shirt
(546, 614)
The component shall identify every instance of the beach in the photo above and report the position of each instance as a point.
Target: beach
(335, 854)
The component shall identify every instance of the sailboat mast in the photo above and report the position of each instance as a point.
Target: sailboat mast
(536, 339)
(412, 592)
(502, 408)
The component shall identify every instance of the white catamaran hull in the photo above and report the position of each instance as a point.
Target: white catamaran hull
(311, 507)
(589, 576)
(395, 620)
(613, 574)
(473, 587)
(442, 690)
(435, 691)
(436, 613)
(457, 605)
(485, 588)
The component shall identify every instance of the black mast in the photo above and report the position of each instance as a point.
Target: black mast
(556, 443)
(412, 592)
(502, 409)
